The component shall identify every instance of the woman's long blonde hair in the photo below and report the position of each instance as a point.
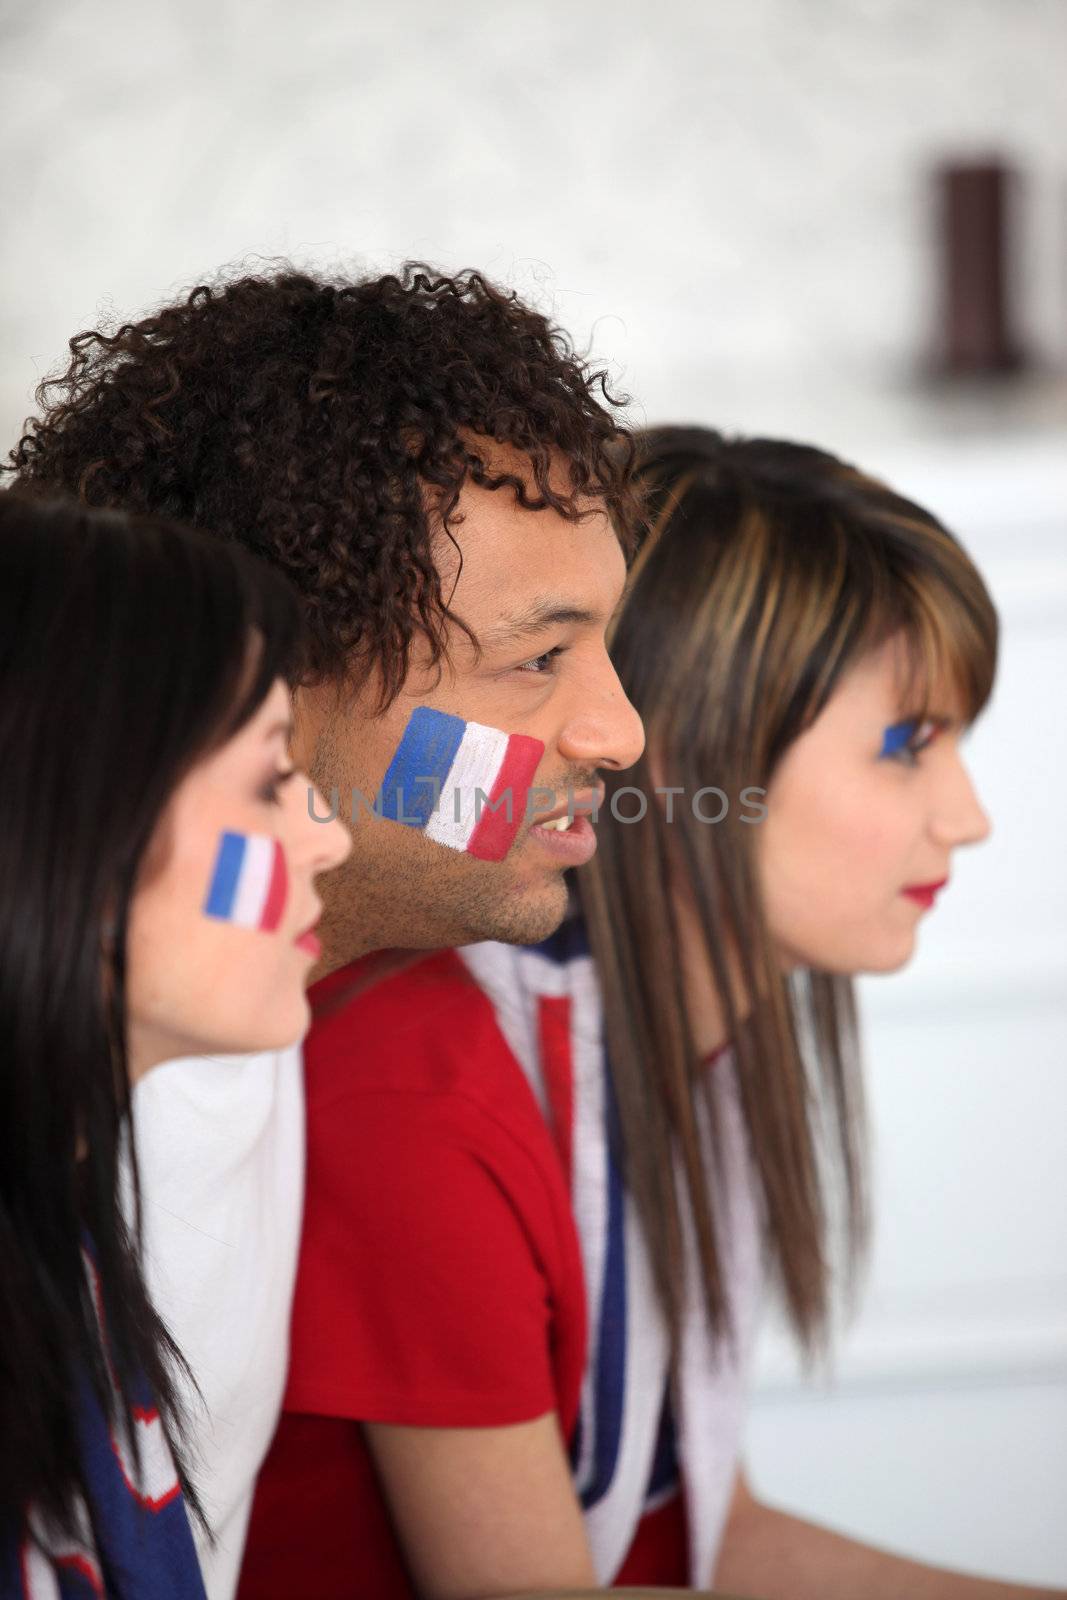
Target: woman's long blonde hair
(767, 571)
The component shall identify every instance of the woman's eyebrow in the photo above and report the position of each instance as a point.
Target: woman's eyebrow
(536, 618)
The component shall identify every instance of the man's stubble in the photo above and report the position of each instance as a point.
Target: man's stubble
(409, 893)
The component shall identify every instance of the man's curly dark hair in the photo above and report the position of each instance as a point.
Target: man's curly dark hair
(308, 420)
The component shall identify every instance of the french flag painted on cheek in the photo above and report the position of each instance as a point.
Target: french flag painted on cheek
(452, 780)
(250, 883)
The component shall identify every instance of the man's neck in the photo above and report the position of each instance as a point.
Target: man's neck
(334, 958)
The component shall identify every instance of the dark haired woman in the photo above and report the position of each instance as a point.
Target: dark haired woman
(157, 866)
(530, 1373)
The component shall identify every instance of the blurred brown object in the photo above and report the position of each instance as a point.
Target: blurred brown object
(975, 205)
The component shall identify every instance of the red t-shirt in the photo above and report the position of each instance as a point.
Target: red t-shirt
(440, 1280)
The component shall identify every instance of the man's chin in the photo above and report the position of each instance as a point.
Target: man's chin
(525, 916)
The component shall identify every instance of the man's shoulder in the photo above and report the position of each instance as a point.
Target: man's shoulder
(419, 1023)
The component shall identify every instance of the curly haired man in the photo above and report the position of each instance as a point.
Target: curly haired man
(448, 487)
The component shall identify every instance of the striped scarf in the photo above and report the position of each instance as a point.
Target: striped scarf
(633, 1438)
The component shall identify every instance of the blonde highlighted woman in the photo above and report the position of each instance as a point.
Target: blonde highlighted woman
(584, 1158)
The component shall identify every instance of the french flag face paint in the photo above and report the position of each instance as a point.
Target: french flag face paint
(250, 883)
(461, 784)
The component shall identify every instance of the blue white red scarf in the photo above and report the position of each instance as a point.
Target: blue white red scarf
(628, 1448)
(134, 1540)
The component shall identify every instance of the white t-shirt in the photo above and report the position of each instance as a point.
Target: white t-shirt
(220, 1143)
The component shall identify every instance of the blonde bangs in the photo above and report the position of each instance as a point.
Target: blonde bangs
(949, 624)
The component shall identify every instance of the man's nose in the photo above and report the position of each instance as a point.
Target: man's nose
(604, 729)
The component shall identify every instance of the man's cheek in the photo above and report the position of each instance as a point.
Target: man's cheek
(461, 784)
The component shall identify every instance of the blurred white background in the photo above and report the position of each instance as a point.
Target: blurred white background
(731, 201)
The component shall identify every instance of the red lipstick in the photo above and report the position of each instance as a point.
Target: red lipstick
(925, 893)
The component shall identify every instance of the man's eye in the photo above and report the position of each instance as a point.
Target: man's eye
(271, 790)
(541, 663)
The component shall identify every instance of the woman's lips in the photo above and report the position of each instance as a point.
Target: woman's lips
(924, 894)
(308, 941)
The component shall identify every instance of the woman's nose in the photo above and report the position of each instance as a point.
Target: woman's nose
(960, 818)
(324, 839)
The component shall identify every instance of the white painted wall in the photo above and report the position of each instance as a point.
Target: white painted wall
(731, 193)
(730, 199)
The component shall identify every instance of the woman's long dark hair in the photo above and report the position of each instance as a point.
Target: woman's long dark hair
(128, 651)
(768, 570)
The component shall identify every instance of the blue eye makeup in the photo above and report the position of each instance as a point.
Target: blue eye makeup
(910, 738)
(899, 736)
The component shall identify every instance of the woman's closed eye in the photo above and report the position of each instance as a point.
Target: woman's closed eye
(271, 790)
